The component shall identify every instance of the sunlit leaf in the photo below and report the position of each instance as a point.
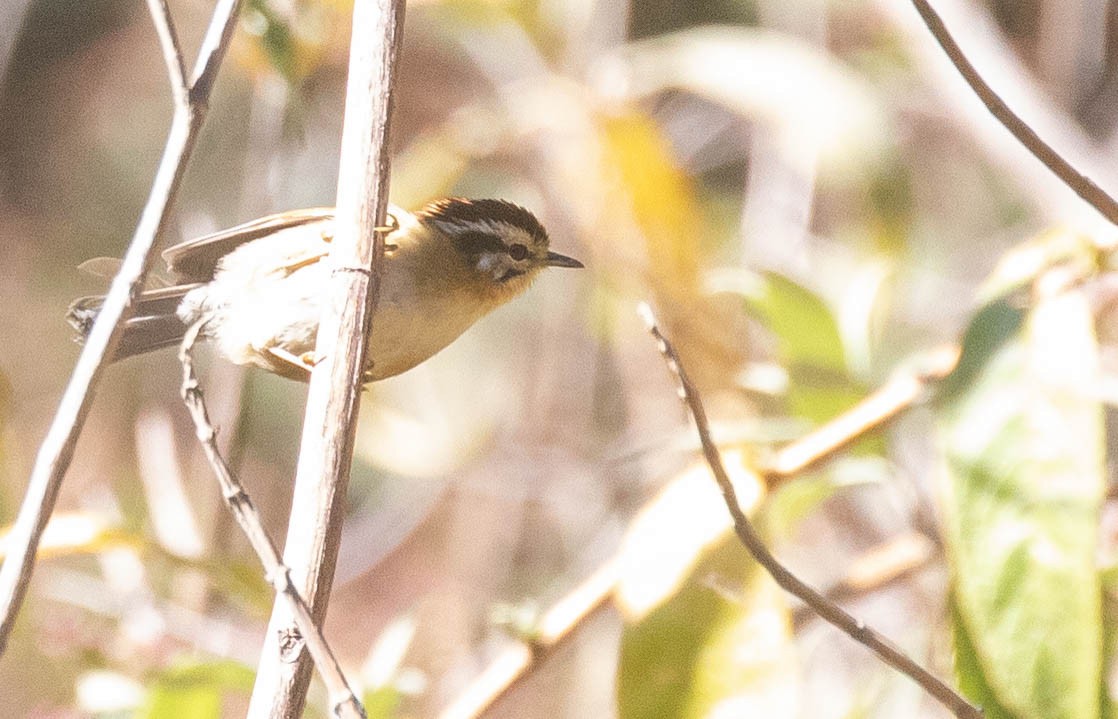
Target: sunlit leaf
(382, 703)
(671, 534)
(75, 533)
(196, 691)
(968, 667)
(720, 647)
(817, 106)
(805, 329)
(809, 344)
(1022, 488)
(708, 633)
(1075, 252)
(662, 196)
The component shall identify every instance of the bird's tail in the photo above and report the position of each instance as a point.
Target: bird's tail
(153, 323)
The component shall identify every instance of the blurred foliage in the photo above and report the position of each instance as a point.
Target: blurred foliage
(195, 691)
(721, 645)
(1023, 484)
(810, 204)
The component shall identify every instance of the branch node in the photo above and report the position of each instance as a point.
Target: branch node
(240, 505)
(291, 644)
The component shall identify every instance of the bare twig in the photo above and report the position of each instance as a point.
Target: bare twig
(826, 609)
(879, 407)
(1079, 183)
(513, 663)
(172, 51)
(58, 446)
(314, 529)
(344, 701)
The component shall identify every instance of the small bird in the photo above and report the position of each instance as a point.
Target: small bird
(260, 287)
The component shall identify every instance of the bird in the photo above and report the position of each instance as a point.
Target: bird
(258, 289)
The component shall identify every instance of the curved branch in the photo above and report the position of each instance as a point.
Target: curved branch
(1054, 161)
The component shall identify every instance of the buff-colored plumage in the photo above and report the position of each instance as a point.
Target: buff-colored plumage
(260, 286)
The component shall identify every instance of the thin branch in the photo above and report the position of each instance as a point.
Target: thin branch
(879, 407)
(172, 51)
(326, 451)
(1079, 183)
(514, 663)
(57, 448)
(345, 702)
(827, 610)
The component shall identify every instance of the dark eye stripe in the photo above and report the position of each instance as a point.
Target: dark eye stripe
(477, 243)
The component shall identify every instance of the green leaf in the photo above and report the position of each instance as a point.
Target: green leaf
(805, 329)
(721, 645)
(382, 703)
(995, 324)
(809, 346)
(196, 691)
(1021, 488)
(968, 665)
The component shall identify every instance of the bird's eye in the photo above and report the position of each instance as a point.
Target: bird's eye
(518, 252)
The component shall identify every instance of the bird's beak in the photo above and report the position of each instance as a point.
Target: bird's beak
(554, 259)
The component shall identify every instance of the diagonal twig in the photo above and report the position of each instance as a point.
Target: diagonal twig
(57, 448)
(888, 563)
(342, 698)
(788, 581)
(1054, 161)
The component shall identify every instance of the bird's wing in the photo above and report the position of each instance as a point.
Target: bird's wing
(195, 260)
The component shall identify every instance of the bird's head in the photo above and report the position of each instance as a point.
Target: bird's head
(503, 243)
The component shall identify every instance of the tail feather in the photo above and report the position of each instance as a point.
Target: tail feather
(153, 324)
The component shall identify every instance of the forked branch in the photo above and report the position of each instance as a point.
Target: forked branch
(57, 448)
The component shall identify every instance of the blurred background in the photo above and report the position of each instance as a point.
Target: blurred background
(805, 191)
